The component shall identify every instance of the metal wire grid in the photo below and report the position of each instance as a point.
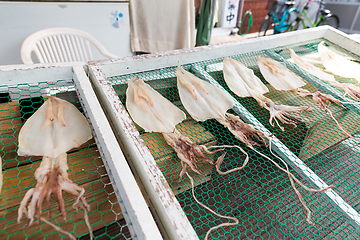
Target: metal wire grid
(340, 161)
(259, 195)
(86, 168)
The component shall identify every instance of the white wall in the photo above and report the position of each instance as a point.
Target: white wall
(348, 12)
(20, 19)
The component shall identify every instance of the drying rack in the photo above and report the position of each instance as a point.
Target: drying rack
(260, 195)
(117, 208)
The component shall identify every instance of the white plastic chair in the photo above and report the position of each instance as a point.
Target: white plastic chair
(61, 45)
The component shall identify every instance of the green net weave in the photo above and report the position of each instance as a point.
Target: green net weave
(260, 195)
(86, 169)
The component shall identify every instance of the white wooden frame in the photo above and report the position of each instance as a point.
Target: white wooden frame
(138, 154)
(127, 191)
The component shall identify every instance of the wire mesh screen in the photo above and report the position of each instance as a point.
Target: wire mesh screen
(260, 195)
(338, 162)
(86, 169)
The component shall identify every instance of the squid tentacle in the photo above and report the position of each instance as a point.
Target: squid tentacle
(189, 152)
(51, 181)
(25, 200)
(324, 100)
(282, 112)
(244, 132)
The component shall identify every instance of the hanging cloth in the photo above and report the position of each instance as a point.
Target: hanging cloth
(161, 25)
(203, 33)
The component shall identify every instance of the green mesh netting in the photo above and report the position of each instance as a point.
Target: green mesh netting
(86, 168)
(260, 195)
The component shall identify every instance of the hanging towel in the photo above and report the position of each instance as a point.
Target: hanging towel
(161, 25)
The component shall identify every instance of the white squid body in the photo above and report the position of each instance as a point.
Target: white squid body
(338, 65)
(288, 80)
(244, 83)
(211, 102)
(349, 88)
(310, 68)
(150, 110)
(55, 128)
(240, 79)
(205, 101)
(278, 75)
(154, 113)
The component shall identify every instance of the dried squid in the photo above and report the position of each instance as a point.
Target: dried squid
(282, 78)
(204, 101)
(144, 103)
(154, 113)
(324, 100)
(55, 128)
(244, 83)
(348, 88)
(337, 64)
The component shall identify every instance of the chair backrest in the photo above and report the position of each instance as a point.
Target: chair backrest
(61, 45)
